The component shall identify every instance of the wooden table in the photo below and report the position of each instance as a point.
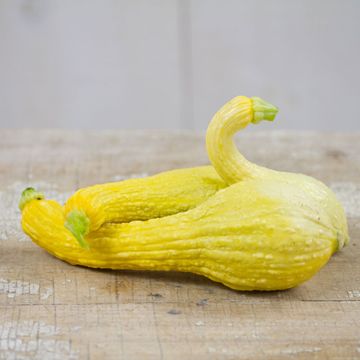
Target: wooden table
(51, 310)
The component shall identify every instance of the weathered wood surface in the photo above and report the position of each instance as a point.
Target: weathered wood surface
(51, 310)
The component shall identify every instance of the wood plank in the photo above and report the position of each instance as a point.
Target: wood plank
(49, 309)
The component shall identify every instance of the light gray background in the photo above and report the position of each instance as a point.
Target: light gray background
(171, 64)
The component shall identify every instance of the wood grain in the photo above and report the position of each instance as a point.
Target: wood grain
(51, 310)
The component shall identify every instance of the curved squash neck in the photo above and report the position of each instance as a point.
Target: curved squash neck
(232, 117)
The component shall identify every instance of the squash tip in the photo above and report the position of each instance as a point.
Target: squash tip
(263, 110)
(28, 195)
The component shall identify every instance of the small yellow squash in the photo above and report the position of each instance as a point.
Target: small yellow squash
(166, 193)
(155, 196)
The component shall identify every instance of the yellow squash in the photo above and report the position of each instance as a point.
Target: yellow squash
(268, 230)
(161, 195)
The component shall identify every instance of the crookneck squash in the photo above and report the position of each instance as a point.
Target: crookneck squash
(266, 230)
(166, 193)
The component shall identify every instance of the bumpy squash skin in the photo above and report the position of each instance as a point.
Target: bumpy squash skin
(267, 231)
(253, 235)
(160, 195)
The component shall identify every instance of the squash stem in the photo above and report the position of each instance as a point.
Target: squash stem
(28, 195)
(263, 110)
(78, 224)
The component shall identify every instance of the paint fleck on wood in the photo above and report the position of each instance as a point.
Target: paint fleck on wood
(349, 195)
(33, 340)
(354, 294)
(13, 288)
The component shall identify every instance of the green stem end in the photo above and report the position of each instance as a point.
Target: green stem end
(78, 224)
(263, 110)
(28, 195)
